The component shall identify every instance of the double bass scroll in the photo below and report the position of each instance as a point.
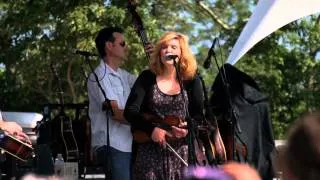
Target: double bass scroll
(138, 25)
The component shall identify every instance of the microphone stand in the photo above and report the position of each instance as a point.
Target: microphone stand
(207, 64)
(109, 112)
(191, 134)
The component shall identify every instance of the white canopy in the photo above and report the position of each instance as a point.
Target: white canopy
(267, 17)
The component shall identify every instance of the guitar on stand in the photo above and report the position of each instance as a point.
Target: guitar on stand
(68, 147)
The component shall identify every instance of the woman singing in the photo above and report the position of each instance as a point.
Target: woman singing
(157, 95)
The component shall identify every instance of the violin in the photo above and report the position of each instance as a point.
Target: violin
(163, 123)
(166, 123)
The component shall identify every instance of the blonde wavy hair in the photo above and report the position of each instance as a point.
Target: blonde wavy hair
(188, 63)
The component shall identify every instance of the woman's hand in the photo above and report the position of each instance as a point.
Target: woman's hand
(183, 125)
(159, 136)
(178, 132)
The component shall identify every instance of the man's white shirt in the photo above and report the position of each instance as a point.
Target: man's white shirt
(117, 86)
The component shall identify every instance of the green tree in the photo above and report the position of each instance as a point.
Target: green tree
(38, 35)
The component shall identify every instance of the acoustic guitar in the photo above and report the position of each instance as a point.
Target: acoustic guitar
(65, 141)
(15, 147)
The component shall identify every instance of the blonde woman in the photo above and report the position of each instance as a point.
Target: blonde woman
(157, 95)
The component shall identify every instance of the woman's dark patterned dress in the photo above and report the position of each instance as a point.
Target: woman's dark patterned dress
(153, 162)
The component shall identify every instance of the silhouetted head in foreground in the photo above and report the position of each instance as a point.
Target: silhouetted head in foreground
(301, 156)
(229, 171)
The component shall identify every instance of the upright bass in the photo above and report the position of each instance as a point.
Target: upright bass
(140, 136)
(138, 25)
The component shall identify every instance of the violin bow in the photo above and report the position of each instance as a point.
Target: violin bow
(177, 155)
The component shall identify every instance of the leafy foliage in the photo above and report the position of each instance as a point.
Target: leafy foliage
(38, 35)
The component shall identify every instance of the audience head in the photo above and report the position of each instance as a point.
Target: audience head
(229, 171)
(241, 171)
(206, 173)
(301, 156)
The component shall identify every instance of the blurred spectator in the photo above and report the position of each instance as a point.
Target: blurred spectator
(241, 171)
(229, 171)
(301, 156)
(206, 173)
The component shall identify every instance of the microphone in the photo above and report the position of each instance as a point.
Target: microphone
(207, 62)
(83, 53)
(171, 57)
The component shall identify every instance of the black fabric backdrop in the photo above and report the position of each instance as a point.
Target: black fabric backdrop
(241, 102)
